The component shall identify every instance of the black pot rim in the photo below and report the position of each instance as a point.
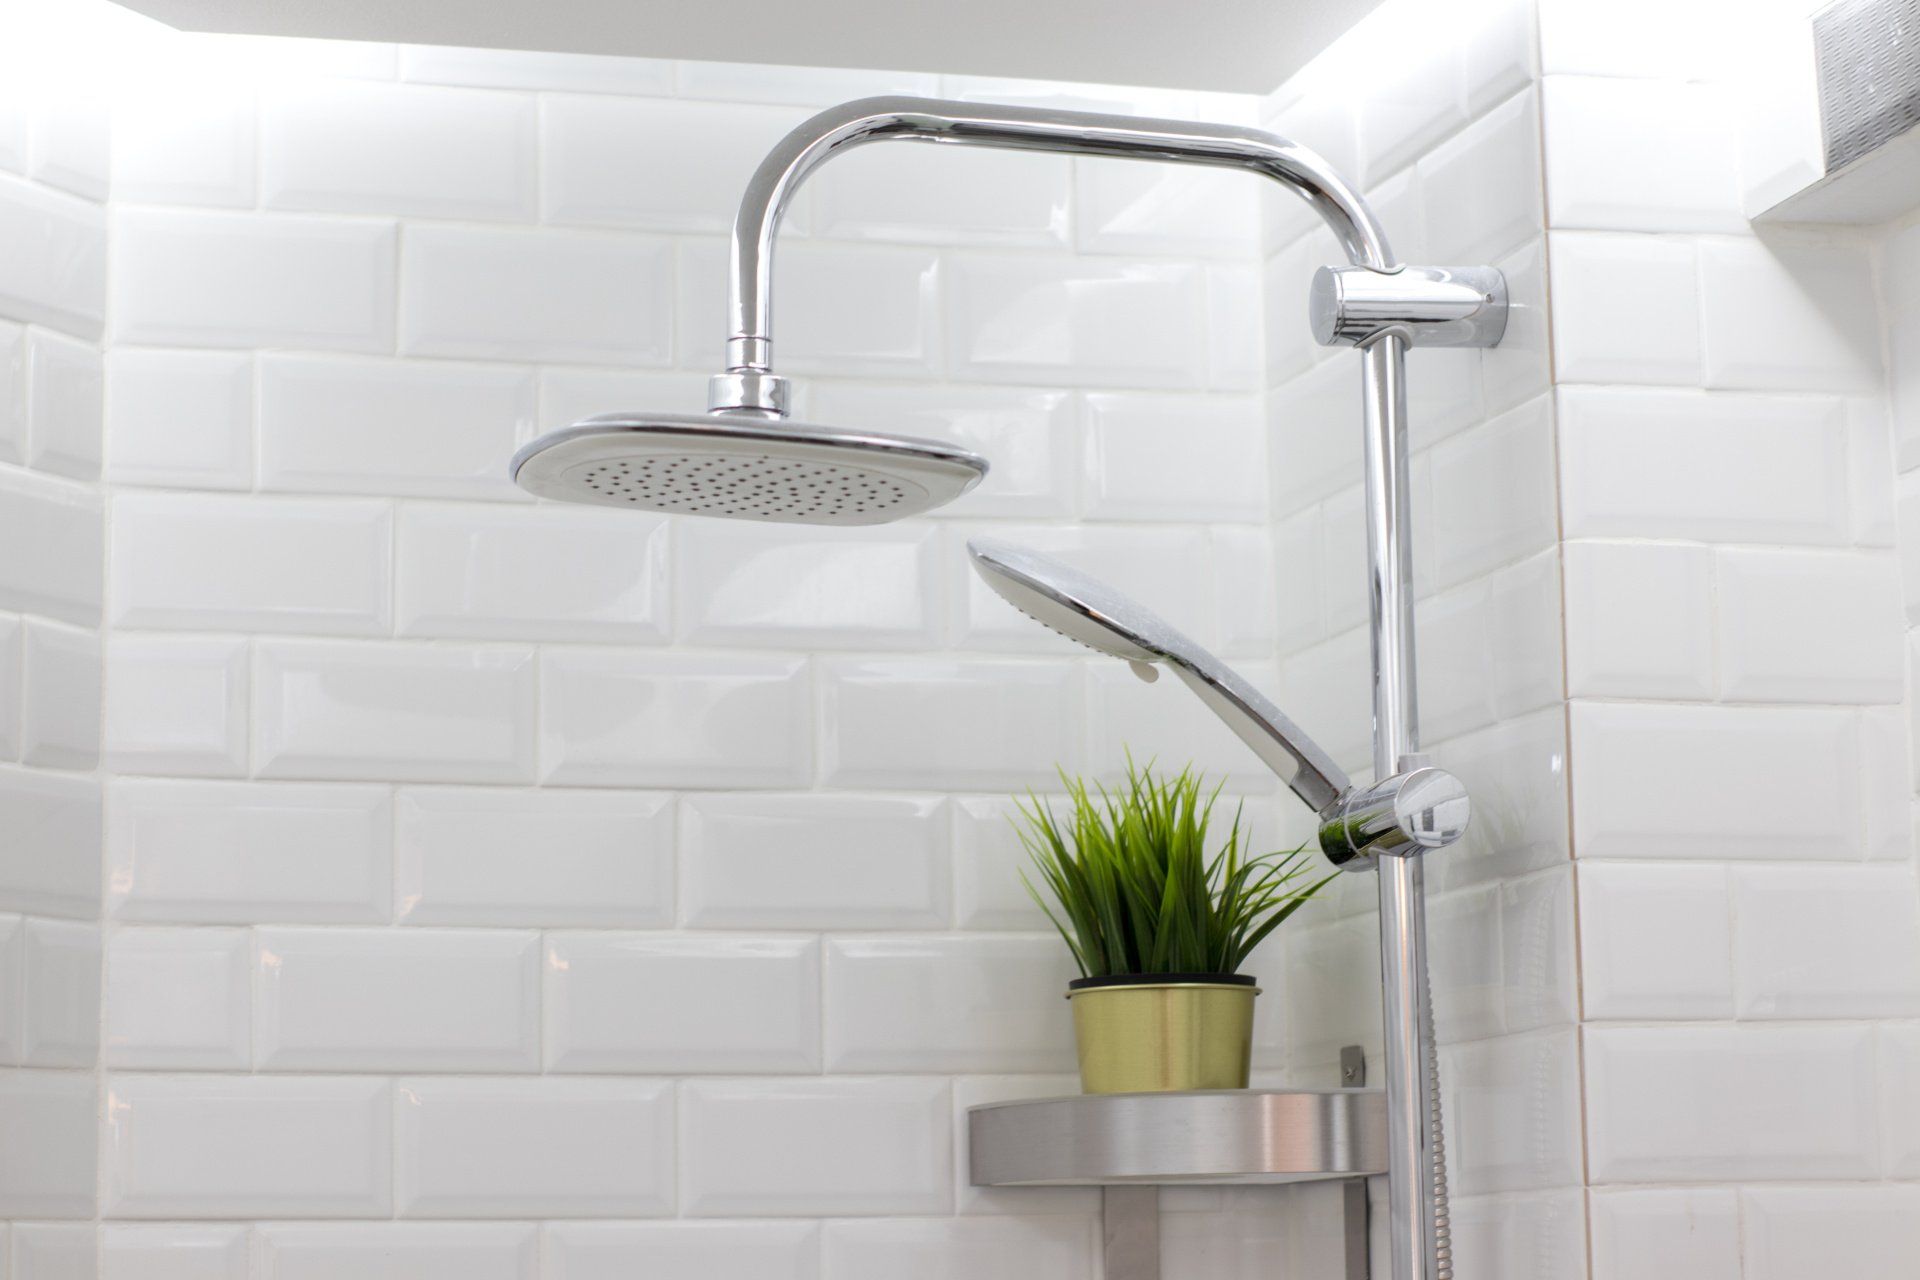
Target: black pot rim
(1161, 979)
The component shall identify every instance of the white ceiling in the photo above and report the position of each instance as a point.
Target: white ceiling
(1243, 46)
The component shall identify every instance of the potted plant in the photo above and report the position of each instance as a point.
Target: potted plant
(1159, 926)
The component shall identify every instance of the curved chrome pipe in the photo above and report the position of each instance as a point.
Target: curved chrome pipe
(748, 383)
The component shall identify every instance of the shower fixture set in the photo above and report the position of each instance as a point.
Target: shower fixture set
(744, 459)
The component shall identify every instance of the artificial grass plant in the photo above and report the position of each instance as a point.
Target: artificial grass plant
(1134, 889)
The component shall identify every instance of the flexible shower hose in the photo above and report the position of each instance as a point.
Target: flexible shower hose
(1437, 1138)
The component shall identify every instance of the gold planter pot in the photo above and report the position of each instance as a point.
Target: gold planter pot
(1154, 1033)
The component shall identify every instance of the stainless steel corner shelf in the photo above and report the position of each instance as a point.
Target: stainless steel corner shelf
(1132, 1144)
(1235, 1136)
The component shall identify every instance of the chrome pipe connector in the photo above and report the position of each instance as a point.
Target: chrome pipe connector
(1407, 814)
(751, 391)
(1424, 306)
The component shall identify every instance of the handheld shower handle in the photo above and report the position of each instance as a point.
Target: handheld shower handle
(1282, 745)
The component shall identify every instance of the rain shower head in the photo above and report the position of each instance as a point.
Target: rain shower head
(1085, 609)
(746, 467)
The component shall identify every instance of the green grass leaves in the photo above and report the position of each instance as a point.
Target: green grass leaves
(1133, 888)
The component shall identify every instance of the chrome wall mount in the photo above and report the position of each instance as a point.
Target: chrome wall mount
(1371, 302)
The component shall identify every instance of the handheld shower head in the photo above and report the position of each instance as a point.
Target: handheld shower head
(746, 467)
(1086, 610)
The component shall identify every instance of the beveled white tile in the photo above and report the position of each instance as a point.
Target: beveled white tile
(987, 863)
(1808, 626)
(398, 1250)
(54, 1251)
(1481, 188)
(49, 843)
(759, 585)
(432, 428)
(13, 393)
(976, 723)
(60, 1011)
(1603, 331)
(1669, 1232)
(611, 717)
(177, 705)
(1897, 1055)
(173, 1251)
(13, 987)
(1732, 468)
(69, 139)
(396, 1000)
(1655, 941)
(815, 1147)
(1520, 1234)
(465, 855)
(1245, 590)
(363, 146)
(216, 1147)
(1787, 315)
(945, 196)
(241, 280)
(628, 1002)
(1857, 1231)
(1314, 436)
(12, 694)
(527, 294)
(59, 275)
(1514, 1103)
(60, 696)
(65, 392)
(489, 571)
(1494, 648)
(238, 853)
(568, 395)
(397, 711)
(180, 418)
(1641, 155)
(715, 1250)
(1125, 207)
(882, 994)
(546, 1147)
(846, 310)
(879, 1248)
(653, 163)
(1161, 457)
(1493, 496)
(1672, 1104)
(62, 522)
(178, 999)
(51, 1122)
(529, 69)
(1836, 942)
(813, 862)
(1639, 770)
(192, 145)
(209, 562)
(1639, 620)
(1120, 324)
(1029, 436)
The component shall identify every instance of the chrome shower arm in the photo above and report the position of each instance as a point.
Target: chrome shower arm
(748, 383)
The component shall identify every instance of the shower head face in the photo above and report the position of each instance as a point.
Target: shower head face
(744, 468)
(1081, 608)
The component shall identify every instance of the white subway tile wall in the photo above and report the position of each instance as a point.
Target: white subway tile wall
(567, 887)
(1741, 788)
(53, 307)
(605, 893)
